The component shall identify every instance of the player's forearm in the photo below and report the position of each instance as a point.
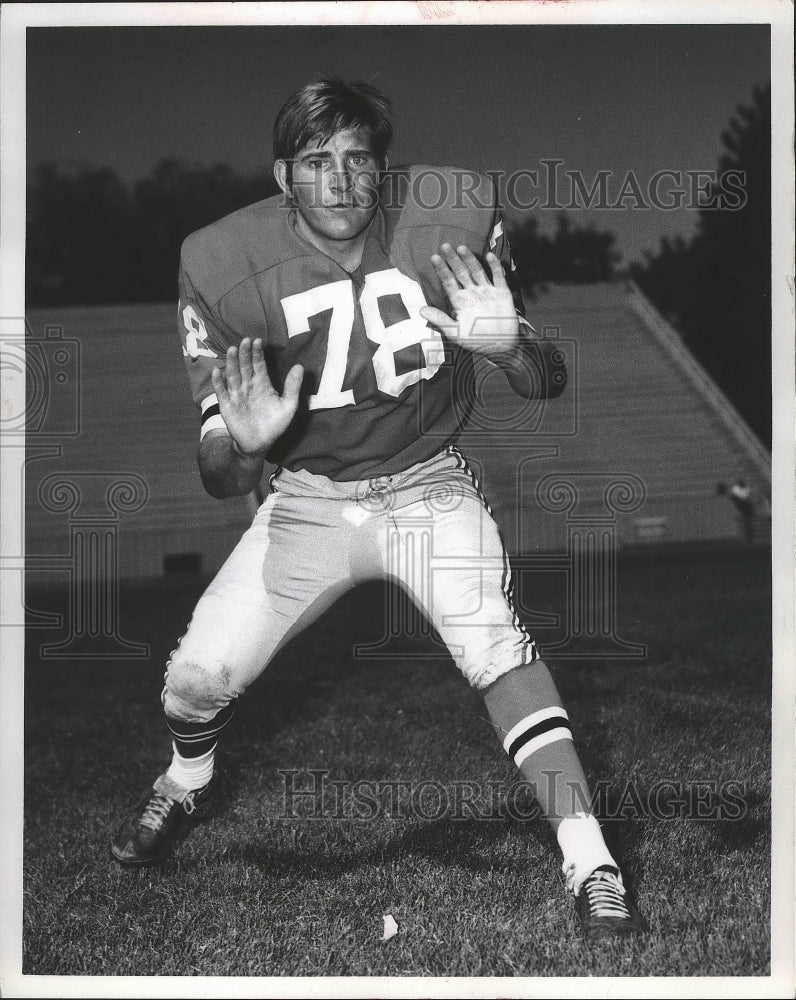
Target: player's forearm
(535, 368)
(225, 471)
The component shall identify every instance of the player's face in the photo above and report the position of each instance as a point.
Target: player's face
(334, 185)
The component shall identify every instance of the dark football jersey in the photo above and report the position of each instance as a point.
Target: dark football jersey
(382, 389)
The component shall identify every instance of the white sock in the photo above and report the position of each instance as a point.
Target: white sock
(191, 772)
(581, 841)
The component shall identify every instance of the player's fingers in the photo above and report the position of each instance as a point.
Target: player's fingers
(232, 369)
(245, 359)
(449, 283)
(220, 385)
(498, 275)
(436, 317)
(457, 265)
(473, 265)
(290, 392)
(258, 358)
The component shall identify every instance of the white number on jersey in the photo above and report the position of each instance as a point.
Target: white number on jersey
(338, 296)
(396, 336)
(195, 332)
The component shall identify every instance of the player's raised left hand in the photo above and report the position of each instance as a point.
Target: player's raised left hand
(484, 319)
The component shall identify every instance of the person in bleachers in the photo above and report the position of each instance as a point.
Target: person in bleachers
(741, 496)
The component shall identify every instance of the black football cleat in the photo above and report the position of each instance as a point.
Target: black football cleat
(148, 834)
(605, 909)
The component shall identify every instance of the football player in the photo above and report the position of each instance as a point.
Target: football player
(332, 331)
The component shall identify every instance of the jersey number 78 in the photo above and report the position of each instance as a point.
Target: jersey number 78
(338, 296)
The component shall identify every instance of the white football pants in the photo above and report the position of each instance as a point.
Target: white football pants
(428, 529)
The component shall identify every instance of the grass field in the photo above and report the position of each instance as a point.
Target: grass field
(253, 893)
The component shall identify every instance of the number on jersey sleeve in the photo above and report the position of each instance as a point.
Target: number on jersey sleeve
(203, 349)
(195, 341)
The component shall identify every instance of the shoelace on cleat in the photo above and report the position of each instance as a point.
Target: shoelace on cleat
(155, 813)
(605, 896)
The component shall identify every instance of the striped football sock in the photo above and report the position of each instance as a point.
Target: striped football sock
(194, 745)
(534, 728)
(193, 739)
(539, 741)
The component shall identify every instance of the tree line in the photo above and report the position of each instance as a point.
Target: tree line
(91, 239)
(715, 288)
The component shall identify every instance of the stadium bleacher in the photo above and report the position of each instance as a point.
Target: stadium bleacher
(642, 437)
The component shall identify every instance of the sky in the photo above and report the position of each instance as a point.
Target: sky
(644, 98)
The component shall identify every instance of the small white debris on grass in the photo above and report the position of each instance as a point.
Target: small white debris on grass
(390, 927)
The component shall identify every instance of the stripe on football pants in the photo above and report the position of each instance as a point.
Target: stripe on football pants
(524, 322)
(537, 731)
(507, 585)
(211, 415)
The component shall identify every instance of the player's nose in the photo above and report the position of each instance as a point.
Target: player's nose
(341, 179)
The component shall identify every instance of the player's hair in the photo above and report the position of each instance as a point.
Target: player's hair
(319, 110)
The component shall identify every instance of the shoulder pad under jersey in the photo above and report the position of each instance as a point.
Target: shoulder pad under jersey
(422, 195)
(240, 245)
(426, 206)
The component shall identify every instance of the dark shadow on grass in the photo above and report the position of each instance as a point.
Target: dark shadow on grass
(739, 824)
(750, 830)
(313, 670)
(466, 843)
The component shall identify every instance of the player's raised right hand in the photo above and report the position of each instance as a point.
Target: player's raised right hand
(254, 412)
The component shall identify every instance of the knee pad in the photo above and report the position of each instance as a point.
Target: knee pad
(195, 692)
(494, 654)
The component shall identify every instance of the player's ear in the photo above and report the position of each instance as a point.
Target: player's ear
(281, 177)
